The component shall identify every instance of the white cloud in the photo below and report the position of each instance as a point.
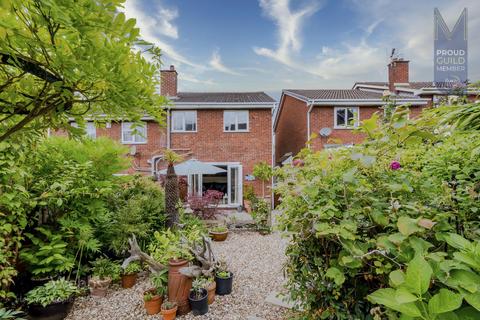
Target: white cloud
(154, 24)
(193, 79)
(216, 64)
(289, 24)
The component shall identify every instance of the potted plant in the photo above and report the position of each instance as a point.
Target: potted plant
(218, 233)
(223, 279)
(211, 285)
(152, 301)
(51, 301)
(198, 297)
(129, 274)
(169, 310)
(103, 272)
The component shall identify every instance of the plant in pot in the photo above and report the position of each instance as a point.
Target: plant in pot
(167, 247)
(218, 233)
(129, 274)
(223, 278)
(169, 310)
(152, 301)
(104, 271)
(51, 301)
(198, 297)
(210, 285)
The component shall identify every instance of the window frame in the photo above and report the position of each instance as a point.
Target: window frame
(236, 121)
(356, 113)
(133, 135)
(173, 130)
(85, 131)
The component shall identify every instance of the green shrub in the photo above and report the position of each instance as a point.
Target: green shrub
(359, 216)
(104, 268)
(52, 291)
(138, 207)
(132, 267)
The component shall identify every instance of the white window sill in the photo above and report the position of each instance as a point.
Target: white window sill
(344, 128)
(236, 131)
(185, 131)
(128, 142)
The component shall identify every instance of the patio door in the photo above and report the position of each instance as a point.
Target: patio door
(234, 184)
(195, 184)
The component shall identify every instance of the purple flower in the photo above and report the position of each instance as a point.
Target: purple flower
(395, 165)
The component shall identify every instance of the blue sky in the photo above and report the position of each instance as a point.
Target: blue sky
(269, 45)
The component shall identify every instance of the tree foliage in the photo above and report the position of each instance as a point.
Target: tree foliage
(398, 211)
(66, 59)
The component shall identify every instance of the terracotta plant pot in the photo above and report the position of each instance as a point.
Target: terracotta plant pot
(179, 285)
(248, 206)
(211, 292)
(218, 236)
(98, 287)
(129, 280)
(153, 305)
(169, 314)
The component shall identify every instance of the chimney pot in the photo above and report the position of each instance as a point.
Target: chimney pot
(172, 67)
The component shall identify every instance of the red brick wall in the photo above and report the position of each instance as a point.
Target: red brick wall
(156, 142)
(397, 73)
(211, 144)
(168, 82)
(324, 117)
(291, 129)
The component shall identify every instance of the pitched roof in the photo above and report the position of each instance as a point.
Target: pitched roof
(412, 85)
(223, 97)
(331, 94)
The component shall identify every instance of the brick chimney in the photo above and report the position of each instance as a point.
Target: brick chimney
(168, 82)
(397, 73)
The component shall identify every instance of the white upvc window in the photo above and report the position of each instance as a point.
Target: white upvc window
(235, 121)
(134, 134)
(346, 117)
(184, 121)
(90, 129)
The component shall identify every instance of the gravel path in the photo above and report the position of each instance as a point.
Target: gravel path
(254, 259)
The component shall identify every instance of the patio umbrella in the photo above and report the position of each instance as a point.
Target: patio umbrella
(193, 166)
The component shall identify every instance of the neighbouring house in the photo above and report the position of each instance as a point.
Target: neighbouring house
(330, 115)
(231, 130)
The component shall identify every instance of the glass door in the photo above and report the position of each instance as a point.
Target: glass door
(234, 184)
(195, 185)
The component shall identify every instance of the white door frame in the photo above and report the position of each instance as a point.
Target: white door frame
(239, 182)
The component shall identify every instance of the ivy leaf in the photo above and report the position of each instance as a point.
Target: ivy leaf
(402, 295)
(336, 275)
(418, 275)
(444, 301)
(407, 226)
(457, 241)
(397, 277)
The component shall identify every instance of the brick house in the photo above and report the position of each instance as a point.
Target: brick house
(332, 114)
(231, 130)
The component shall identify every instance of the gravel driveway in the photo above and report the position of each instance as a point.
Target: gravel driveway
(256, 262)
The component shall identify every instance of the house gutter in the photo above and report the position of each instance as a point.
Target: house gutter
(310, 108)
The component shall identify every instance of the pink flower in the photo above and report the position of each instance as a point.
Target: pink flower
(298, 163)
(395, 165)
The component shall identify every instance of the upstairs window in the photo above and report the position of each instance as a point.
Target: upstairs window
(235, 121)
(134, 134)
(346, 117)
(184, 121)
(90, 129)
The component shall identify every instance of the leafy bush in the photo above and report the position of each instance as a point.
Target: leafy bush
(51, 292)
(167, 246)
(11, 314)
(48, 254)
(132, 267)
(264, 172)
(261, 213)
(137, 207)
(359, 217)
(160, 281)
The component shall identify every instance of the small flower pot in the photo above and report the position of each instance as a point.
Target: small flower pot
(129, 280)
(199, 305)
(153, 305)
(53, 311)
(218, 236)
(169, 314)
(224, 285)
(98, 287)
(211, 292)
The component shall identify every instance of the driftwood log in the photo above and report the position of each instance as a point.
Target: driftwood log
(136, 254)
(204, 255)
